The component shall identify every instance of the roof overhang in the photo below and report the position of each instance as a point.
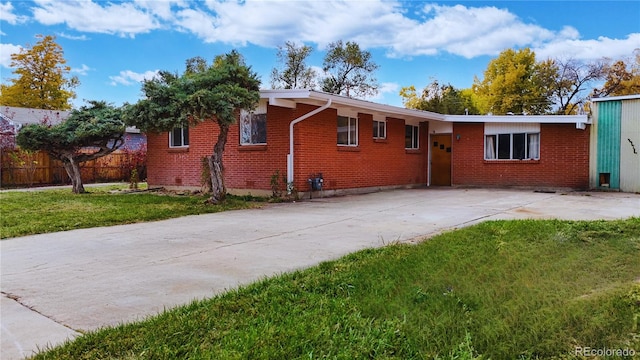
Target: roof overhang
(319, 98)
(290, 97)
(542, 119)
(614, 98)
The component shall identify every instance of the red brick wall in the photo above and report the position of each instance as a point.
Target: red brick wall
(176, 166)
(372, 163)
(564, 159)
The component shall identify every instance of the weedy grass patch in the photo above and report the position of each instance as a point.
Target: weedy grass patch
(37, 212)
(498, 290)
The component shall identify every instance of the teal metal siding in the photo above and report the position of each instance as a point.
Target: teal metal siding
(609, 116)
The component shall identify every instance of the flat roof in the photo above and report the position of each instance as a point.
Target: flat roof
(288, 98)
(614, 98)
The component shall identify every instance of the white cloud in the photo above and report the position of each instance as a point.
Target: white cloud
(385, 88)
(465, 31)
(128, 77)
(270, 23)
(114, 18)
(73, 37)
(161, 9)
(6, 50)
(574, 48)
(83, 70)
(460, 30)
(6, 14)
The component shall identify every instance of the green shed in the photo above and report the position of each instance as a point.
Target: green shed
(615, 144)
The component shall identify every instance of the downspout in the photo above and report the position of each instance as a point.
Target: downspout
(290, 156)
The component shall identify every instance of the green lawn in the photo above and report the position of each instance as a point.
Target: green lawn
(37, 212)
(499, 290)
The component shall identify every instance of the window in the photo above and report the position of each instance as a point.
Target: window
(513, 146)
(179, 137)
(379, 129)
(411, 137)
(347, 131)
(253, 128)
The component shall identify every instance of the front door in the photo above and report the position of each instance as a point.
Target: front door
(441, 160)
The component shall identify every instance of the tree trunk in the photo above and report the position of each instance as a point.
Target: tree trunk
(73, 170)
(218, 190)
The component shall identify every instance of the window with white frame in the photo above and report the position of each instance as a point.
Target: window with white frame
(411, 137)
(253, 128)
(347, 131)
(379, 129)
(179, 137)
(512, 142)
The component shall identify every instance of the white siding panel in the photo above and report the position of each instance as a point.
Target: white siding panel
(262, 107)
(630, 146)
(505, 128)
(440, 127)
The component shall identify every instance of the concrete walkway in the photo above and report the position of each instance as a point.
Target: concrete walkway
(55, 286)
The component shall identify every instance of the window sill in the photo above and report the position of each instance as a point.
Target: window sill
(178, 149)
(413, 151)
(380, 140)
(260, 147)
(348, 148)
(505, 161)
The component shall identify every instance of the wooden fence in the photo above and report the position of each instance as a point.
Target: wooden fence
(21, 169)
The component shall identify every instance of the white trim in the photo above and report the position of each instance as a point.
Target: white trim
(319, 98)
(506, 128)
(350, 141)
(384, 127)
(417, 132)
(543, 119)
(282, 103)
(615, 98)
(348, 113)
(171, 138)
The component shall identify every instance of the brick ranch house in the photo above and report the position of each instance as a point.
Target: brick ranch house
(361, 146)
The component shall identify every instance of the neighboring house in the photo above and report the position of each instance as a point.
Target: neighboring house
(14, 118)
(615, 143)
(8, 131)
(25, 116)
(361, 146)
(40, 169)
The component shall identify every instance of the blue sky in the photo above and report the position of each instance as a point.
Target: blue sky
(113, 45)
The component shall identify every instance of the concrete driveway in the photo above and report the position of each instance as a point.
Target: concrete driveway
(55, 286)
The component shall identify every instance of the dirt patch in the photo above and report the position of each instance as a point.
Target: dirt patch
(526, 211)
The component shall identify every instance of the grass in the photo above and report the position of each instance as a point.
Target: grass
(499, 290)
(45, 211)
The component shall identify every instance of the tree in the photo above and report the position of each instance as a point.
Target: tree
(572, 78)
(88, 133)
(443, 99)
(41, 81)
(293, 72)
(620, 78)
(515, 83)
(213, 93)
(349, 71)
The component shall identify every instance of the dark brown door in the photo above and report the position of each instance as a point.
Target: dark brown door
(441, 160)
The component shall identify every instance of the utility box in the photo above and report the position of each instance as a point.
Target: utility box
(315, 182)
